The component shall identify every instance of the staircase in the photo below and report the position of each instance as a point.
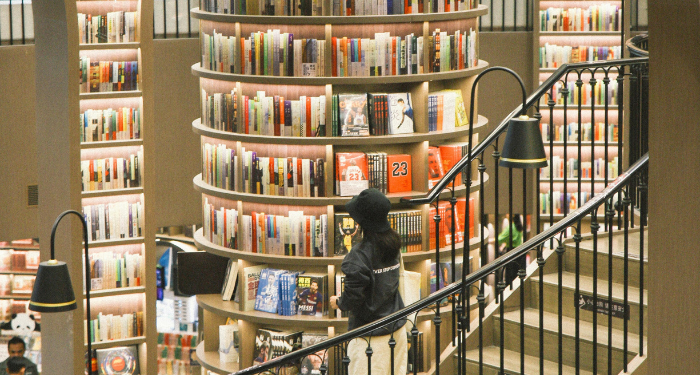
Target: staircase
(549, 284)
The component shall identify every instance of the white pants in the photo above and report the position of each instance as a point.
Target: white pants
(381, 354)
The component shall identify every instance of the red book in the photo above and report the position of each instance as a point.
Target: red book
(334, 56)
(246, 114)
(351, 173)
(399, 176)
(309, 133)
(276, 114)
(308, 233)
(451, 154)
(393, 55)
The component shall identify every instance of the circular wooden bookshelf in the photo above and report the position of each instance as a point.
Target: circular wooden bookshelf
(338, 20)
(200, 72)
(205, 188)
(211, 362)
(203, 244)
(461, 131)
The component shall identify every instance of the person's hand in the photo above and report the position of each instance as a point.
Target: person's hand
(334, 302)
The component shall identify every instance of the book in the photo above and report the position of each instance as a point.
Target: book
(251, 276)
(353, 115)
(312, 294)
(118, 360)
(339, 287)
(414, 347)
(412, 287)
(351, 173)
(400, 110)
(270, 343)
(311, 364)
(230, 280)
(348, 234)
(228, 343)
(451, 153)
(267, 297)
(399, 178)
(435, 167)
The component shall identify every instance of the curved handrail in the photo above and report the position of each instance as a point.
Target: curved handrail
(473, 277)
(432, 195)
(637, 45)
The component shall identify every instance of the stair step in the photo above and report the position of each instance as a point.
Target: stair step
(511, 363)
(586, 288)
(586, 258)
(551, 343)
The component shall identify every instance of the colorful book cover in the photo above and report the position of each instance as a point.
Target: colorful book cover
(311, 294)
(352, 174)
(400, 113)
(251, 276)
(354, 120)
(435, 167)
(399, 176)
(311, 364)
(267, 298)
(451, 153)
(348, 234)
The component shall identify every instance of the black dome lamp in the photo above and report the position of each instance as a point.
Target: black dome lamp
(53, 290)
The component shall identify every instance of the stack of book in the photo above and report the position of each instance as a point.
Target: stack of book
(590, 132)
(596, 95)
(553, 56)
(113, 221)
(445, 224)
(106, 327)
(407, 223)
(98, 125)
(220, 111)
(219, 52)
(112, 173)
(274, 53)
(108, 76)
(220, 226)
(603, 17)
(280, 116)
(115, 27)
(109, 270)
(283, 176)
(446, 111)
(372, 114)
(219, 166)
(293, 235)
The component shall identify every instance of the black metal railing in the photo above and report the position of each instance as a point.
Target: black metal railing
(561, 280)
(172, 19)
(16, 22)
(507, 15)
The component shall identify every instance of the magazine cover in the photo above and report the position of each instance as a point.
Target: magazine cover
(263, 346)
(267, 297)
(353, 115)
(311, 294)
(348, 233)
(400, 113)
(351, 173)
(435, 168)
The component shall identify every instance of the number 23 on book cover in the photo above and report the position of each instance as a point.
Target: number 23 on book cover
(399, 176)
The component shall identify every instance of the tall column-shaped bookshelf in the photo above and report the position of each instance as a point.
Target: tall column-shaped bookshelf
(228, 82)
(102, 167)
(568, 31)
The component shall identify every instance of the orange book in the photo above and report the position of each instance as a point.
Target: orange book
(351, 173)
(399, 176)
(393, 56)
(254, 233)
(435, 168)
(344, 49)
(440, 108)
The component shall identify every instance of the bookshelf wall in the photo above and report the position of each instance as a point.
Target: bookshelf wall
(567, 32)
(231, 76)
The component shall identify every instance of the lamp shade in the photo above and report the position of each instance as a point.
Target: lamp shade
(523, 147)
(53, 291)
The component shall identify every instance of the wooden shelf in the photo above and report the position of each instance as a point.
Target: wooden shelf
(284, 260)
(116, 291)
(338, 20)
(200, 72)
(579, 33)
(214, 304)
(108, 46)
(121, 342)
(461, 131)
(111, 95)
(106, 144)
(121, 241)
(210, 361)
(110, 193)
(205, 188)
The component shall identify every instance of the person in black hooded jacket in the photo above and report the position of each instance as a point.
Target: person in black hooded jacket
(372, 270)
